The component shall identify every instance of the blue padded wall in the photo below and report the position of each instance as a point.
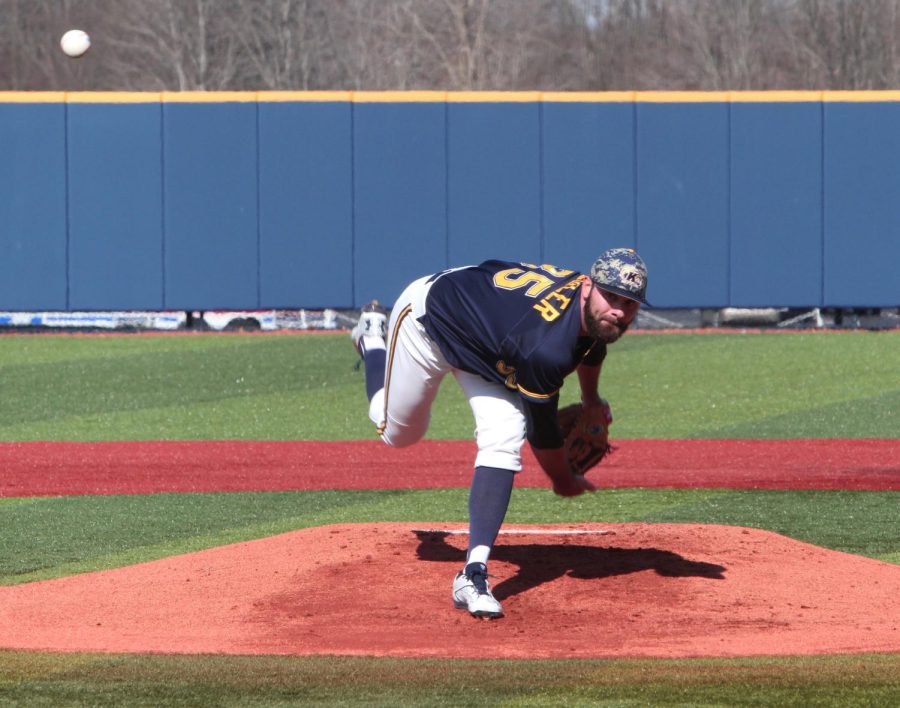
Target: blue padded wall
(33, 245)
(210, 198)
(494, 182)
(248, 201)
(588, 181)
(400, 194)
(115, 207)
(305, 204)
(682, 202)
(776, 198)
(862, 204)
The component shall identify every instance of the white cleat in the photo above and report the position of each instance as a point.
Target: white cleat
(472, 592)
(372, 323)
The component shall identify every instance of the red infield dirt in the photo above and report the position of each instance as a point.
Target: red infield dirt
(63, 468)
(611, 590)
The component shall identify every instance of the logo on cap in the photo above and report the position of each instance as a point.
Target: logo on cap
(621, 271)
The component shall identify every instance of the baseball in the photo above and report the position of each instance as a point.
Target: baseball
(75, 43)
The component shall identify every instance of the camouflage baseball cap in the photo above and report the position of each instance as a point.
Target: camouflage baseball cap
(621, 271)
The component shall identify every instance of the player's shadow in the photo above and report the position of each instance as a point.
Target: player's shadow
(541, 563)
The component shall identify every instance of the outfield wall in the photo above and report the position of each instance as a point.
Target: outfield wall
(199, 201)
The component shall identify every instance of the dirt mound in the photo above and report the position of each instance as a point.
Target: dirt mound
(611, 590)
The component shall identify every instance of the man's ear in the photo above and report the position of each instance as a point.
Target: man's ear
(586, 287)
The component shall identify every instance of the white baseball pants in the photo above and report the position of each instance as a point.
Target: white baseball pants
(415, 368)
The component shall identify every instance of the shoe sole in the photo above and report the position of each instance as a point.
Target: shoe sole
(477, 613)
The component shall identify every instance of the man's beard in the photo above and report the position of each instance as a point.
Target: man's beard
(601, 329)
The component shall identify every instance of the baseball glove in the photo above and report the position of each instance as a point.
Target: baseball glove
(586, 432)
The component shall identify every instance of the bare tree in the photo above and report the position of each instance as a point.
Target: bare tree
(622, 44)
(455, 30)
(731, 47)
(356, 30)
(282, 42)
(30, 53)
(846, 44)
(453, 44)
(176, 45)
(407, 44)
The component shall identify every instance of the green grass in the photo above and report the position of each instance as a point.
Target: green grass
(285, 387)
(180, 388)
(757, 386)
(215, 386)
(98, 680)
(59, 536)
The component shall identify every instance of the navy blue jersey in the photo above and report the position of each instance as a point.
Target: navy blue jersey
(514, 323)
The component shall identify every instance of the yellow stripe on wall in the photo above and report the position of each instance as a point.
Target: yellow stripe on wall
(113, 97)
(493, 96)
(304, 96)
(588, 96)
(209, 96)
(398, 96)
(32, 97)
(449, 96)
(861, 96)
(681, 96)
(775, 96)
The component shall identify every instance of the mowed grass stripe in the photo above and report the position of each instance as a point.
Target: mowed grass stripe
(59, 536)
(283, 387)
(101, 680)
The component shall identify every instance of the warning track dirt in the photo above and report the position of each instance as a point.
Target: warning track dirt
(66, 468)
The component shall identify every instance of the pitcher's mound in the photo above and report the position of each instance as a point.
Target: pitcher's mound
(384, 589)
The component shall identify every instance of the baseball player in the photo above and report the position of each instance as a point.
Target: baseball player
(509, 333)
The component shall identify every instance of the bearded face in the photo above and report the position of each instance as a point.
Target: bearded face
(602, 329)
(607, 316)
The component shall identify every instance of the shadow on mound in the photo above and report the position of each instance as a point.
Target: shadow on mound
(540, 563)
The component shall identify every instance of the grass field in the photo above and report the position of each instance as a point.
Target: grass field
(284, 387)
(58, 536)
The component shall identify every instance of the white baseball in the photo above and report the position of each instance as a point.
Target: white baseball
(75, 43)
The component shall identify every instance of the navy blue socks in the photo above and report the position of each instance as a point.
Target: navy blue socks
(488, 499)
(374, 363)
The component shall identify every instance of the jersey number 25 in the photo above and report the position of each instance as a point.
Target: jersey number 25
(535, 282)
